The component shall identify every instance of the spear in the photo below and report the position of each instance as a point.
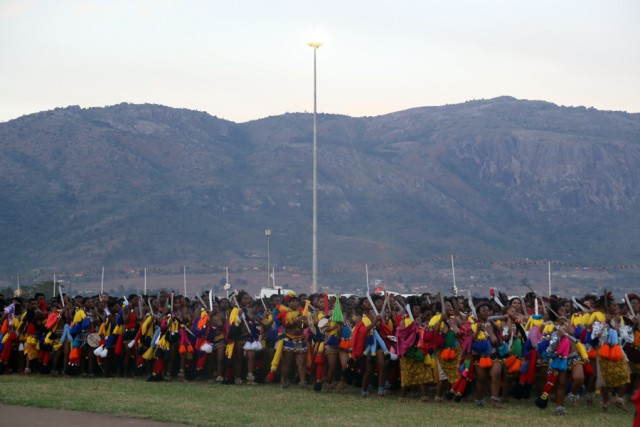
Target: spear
(471, 306)
(626, 298)
(385, 303)
(410, 313)
(102, 282)
(453, 269)
(201, 302)
(145, 281)
(151, 306)
(366, 269)
(235, 301)
(577, 305)
(373, 307)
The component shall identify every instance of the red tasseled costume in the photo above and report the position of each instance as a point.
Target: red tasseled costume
(6, 352)
(319, 366)
(159, 366)
(358, 339)
(118, 347)
(529, 376)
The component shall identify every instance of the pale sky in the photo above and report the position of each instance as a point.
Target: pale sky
(244, 60)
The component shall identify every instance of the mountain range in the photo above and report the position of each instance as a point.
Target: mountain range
(136, 185)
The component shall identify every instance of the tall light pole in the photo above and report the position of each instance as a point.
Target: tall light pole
(267, 233)
(314, 268)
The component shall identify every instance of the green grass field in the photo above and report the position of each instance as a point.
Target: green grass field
(203, 404)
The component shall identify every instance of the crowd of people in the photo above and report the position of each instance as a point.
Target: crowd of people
(457, 348)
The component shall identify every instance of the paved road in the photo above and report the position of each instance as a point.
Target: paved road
(21, 416)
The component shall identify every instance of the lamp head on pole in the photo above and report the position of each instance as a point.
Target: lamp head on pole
(267, 232)
(314, 45)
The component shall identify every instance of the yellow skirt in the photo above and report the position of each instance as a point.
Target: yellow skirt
(451, 368)
(614, 374)
(414, 372)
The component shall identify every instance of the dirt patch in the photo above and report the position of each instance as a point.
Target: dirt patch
(23, 416)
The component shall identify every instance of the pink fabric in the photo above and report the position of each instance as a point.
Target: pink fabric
(535, 336)
(564, 347)
(406, 337)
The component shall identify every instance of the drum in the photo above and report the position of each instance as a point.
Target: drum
(93, 340)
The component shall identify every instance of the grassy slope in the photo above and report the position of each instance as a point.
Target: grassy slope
(204, 404)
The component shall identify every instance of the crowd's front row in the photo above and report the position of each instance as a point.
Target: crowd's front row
(525, 347)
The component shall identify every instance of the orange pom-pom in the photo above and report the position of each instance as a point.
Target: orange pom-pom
(517, 366)
(616, 353)
(345, 344)
(183, 349)
(605, 351)
(592, 353)
(485, 362)
(509, 361)
(447, 354)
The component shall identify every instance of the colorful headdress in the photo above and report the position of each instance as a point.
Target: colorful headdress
(288, 296)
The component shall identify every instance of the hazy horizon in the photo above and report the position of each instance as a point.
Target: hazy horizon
(245, 61)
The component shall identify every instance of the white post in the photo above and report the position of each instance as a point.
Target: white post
(549, 278)
(314, 273)
(102, 282)
(184, 279)
(145, 281)
(54, 285)
(267, 232)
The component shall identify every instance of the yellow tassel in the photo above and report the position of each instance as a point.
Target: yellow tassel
(148, 355)
(146, 326)
(435, 320)
(305, 311)
(79, 316)
(234, 316)
(47, 339)
(596, 317)
(582, 351)
(276, 357)
(229, 350)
